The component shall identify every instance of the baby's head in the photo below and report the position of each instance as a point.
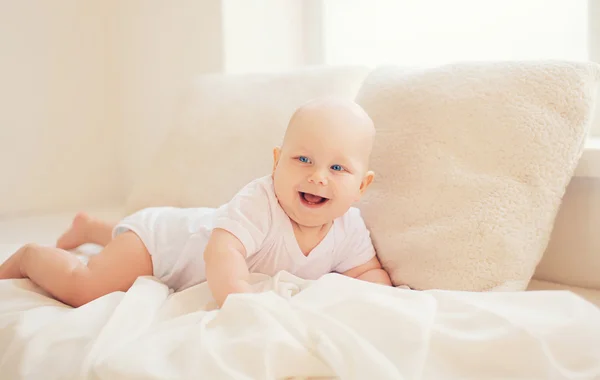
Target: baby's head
(322, 167)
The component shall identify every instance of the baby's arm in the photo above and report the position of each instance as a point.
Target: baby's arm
(226, 269)
(371, 271)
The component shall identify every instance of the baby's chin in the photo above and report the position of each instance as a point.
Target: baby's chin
(313, 218)
(307, 218)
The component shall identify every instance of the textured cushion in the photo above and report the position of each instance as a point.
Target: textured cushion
(472, 160)
(226, 134)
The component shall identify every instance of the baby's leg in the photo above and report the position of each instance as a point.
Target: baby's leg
(69, 280)
(86, 229)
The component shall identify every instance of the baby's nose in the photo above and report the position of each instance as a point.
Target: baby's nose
(318, 177)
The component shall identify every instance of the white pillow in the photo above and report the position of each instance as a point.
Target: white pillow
(471, 162)
(226, 134)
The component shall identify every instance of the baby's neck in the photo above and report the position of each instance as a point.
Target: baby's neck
(309, 237)
(316, 230)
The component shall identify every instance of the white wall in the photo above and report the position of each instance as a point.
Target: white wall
(54, 115)
(158, 47)
(84, 81)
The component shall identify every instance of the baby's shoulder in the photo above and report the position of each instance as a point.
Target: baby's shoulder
(352, 221)
(256, 192)
(253, 201)
(262, 186)
(248, 215)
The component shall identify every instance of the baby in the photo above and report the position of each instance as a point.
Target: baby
(299, 219)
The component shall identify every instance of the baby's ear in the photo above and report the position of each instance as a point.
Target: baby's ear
(276, 155)
(366, 182)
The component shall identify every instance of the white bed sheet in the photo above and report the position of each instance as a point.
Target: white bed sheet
(335, 327)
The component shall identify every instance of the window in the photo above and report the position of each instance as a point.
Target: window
(430, 32)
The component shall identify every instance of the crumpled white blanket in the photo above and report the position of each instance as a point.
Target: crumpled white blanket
(335, 327)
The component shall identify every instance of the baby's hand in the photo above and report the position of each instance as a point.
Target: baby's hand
(226, 269)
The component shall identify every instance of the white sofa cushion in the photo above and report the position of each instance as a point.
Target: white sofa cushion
(226, 134)
(573, 253)
(590, 295)
(471, 162)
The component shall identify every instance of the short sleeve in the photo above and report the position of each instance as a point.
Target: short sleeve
(247, 216)
(356, 247)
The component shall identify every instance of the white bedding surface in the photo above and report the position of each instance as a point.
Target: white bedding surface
(334, 327)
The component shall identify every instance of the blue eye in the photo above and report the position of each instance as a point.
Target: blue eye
(337, 168)
(304, 159)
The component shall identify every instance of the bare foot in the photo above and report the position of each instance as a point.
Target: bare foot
(76, 234)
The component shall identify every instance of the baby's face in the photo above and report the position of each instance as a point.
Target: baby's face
(322, 167)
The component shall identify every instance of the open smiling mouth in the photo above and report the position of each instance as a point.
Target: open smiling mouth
(312, 200)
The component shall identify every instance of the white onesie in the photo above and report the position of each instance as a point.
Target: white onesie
(176, 238)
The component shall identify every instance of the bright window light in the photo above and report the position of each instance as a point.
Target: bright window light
(431, 32)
